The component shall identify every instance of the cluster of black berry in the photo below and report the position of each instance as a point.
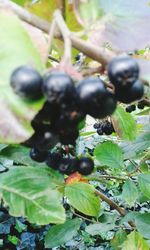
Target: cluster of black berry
(66, 105)
(104, 127)
(123, 73)
(132, 107)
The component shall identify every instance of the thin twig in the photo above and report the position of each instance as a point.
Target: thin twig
(66, 37)
(100, 177)
(50, 38)
(82, 217)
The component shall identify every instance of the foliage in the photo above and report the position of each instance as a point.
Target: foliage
(39, 206)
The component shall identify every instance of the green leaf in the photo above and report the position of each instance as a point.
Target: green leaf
(142, 222)
(82, 197)
(141, 143)
(135, 242)
(98, 228)
(124, 124)
(118, 240)
(109, 154)
(144, 184)
(18, 49)
(130, 192)
(32, 193)
(60, 234)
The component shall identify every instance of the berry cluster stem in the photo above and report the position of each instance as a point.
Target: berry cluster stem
(94, 52)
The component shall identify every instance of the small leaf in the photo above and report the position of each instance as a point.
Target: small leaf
(82, 197)
(135, 242)
(144, 184)
(60, 234)
(130, 192)
(31, 192)
(124, 124)
(96, 229)
(140, 144)
(109, 154)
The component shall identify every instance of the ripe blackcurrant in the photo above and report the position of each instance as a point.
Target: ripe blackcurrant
(58, 87)
(123, 70)
(95, 99)
(97, 125)
(85, 166)
(128, 94)
(37, 155)
(130, 108)
(68, 135)
(141, 105)
(99, 131)
(67, 166)
(26, 82)
(53, 160)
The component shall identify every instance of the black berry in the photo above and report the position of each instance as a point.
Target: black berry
(95, 99)
(67, 166)
(85, 166)
(58, 87)
(99, 131)
(128, 94)
(26, 82)
(123, 71)
(37, 155)
(130, 108)
(53, 160)
(96, 125)
(141, 105)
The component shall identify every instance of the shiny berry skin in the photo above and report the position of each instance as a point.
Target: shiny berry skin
(131, 93)
(97, 125)
(85, 166)
(37, 155)
(27, 82)
(141, 105)
(58, 87)
(122, 71)
(67, 166)
(94, 98)
(108, 128)
(53, 160)
(99, 131)
(130, 108)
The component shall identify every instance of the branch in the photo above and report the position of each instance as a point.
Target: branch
(100, 177)
(90, 50)
(121, 211)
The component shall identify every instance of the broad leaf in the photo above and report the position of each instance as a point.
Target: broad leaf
(130, 192)
(144, 183)
(82, 197)
(31, 192)
(96, 229)
(60, 234)
(120, 23)
(109, 154)
(124, 124)
(135, 242)
(18, 49)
